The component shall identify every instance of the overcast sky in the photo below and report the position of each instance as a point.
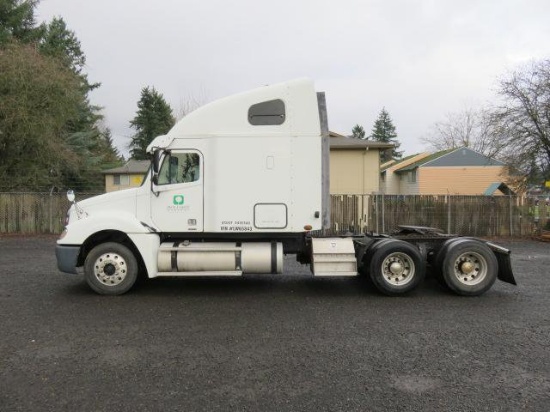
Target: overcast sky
(420, 59)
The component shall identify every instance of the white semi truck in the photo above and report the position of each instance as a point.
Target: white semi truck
(236, 185)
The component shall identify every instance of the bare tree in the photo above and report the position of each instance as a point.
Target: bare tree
(470, 128)
(190, 103)
(523, 119)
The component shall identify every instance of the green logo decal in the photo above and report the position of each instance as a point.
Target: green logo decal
(178, 200)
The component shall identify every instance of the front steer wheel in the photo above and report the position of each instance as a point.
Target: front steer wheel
(110, 269)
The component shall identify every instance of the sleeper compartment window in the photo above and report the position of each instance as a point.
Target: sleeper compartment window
(269, 113)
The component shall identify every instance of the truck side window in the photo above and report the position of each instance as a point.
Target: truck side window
(179, 168)
(270, 113)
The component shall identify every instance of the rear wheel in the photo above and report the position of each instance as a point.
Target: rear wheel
(395, 267)
(437, 264)
(110, 269)
(469, 267)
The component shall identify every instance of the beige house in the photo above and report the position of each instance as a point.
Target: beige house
(127, 176)
(354, 165)
(391, 183)
(459, 171)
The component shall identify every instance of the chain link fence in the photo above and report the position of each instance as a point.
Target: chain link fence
(44, 213)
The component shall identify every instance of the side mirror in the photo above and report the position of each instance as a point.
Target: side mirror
(156, 161)
(70, 196)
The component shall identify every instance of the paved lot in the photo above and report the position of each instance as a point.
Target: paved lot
(266, 343)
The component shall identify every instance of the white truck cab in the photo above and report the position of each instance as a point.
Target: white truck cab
(234, 186)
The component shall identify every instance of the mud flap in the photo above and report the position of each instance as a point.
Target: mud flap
(504, 263)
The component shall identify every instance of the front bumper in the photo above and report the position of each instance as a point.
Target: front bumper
(67, 257)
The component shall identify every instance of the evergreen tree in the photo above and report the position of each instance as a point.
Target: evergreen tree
(83, 133)
(112, 153)
(358, 132)
(61, 43)
(384, 131)
(38, 97)
(17, 22)
(153, 118)
(49, 130)
(58, 41)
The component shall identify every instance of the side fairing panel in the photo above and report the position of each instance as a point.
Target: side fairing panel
(245, 172)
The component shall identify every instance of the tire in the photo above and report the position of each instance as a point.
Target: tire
(469, 267)
(395, 267)
(110, 269)
(367, 257)
(438, 262)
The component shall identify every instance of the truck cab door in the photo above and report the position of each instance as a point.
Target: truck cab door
(178, 203)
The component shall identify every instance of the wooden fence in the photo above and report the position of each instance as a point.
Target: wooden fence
(464, 215)
(34, 213)
(42, 213)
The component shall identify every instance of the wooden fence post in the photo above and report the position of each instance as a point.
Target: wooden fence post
(448, 213)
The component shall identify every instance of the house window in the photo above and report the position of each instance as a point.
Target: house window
(411, 176)
(121, 180)
(137, 180)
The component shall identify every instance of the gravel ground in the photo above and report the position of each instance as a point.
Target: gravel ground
(269, 343)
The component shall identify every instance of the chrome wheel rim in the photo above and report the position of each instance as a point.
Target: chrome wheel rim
(110, 269)
(398, 269)
(470, 268)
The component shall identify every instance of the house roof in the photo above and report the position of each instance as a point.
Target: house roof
(462, 156)
(357, 144)
(334, 134)
(503, 187)
(387, 165)
(131, 167)
(393, 163)
(423, 161)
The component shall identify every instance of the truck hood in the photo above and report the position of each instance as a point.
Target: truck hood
(122, 200)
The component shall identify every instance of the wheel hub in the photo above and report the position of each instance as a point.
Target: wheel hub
(467, 267)
(110, 269)
(396, 268)
(470, 268)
